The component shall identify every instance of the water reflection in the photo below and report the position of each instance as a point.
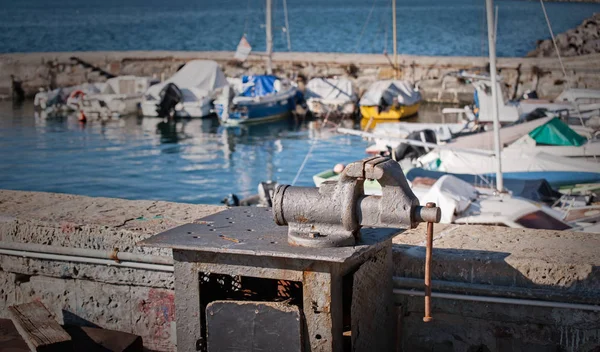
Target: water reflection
(194, 160)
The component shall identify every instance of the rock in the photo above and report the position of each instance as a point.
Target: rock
(590, 47)
(577, 41)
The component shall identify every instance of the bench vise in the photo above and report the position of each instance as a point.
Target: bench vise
(333, 214)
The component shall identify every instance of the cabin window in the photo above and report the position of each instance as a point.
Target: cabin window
(541, 220)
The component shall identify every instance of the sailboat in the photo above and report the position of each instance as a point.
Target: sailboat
(389, 99)
(258, 98)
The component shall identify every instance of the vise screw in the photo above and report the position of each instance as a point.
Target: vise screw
(332, 215)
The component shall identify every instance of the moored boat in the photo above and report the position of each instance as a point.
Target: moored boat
(120, 96)
(389, 100)
(257, 99)
(330, 96)
(188, 93)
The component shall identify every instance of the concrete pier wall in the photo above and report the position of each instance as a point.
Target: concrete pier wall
(44, 70)
(475, 260)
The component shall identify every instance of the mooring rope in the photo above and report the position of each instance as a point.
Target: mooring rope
(364, 26)
(312, 146)
(287, 25)
(567, 77)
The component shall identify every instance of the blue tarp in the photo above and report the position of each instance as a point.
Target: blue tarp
(258, 86)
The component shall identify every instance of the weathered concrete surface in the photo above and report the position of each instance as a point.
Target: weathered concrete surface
(141, 301)
(44, 70)
(546, 265)
(131, 300)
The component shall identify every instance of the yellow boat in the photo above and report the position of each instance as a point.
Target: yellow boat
(393, 113)
(389, 100)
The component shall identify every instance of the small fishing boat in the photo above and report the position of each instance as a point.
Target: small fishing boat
(65, 99)
(389, 100)
(330, 96)
(188, 93)
(256, 99)
(120, 96)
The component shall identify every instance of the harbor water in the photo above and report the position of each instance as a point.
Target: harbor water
(425, 27)
(193, 161)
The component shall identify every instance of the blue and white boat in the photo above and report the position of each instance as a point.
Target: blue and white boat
(256, 99)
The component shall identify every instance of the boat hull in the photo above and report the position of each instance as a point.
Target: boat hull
(270, 108)
(394, 113)
(189, 109)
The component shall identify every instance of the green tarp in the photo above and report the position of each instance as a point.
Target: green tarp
(556, 132)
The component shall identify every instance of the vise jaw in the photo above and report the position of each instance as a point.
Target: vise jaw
(333, 214)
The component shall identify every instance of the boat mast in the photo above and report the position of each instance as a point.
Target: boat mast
(269, 37)
(494, 79)
(395, 39)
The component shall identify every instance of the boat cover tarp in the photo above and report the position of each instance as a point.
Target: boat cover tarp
(197, 79)
(258, 86)
(538, 190)
(557, 170)
(339, 89)
(556, 132)
(452, 195)
(508, 135)
(385, 92)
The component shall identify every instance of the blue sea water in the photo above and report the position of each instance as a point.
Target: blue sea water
(198, 161)
(193, 161)
(425, 27)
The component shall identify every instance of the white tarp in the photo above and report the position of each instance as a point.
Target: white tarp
(452, 195)
(512, 161)
(196, 80)
(130, 85)
(330, 89)
(388, 90)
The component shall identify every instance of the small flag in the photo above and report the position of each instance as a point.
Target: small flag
(243, 49)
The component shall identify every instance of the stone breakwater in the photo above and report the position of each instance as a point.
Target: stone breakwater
(582, 40)
(49, 70)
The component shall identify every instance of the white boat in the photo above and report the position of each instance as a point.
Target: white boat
(65, 99)
(330, 96)
(199, 83)
(549, 135)
(580, 96)
(392, 131)
(119, 96)
(571, 103)
(516, 164)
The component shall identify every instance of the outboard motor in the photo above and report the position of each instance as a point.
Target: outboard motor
(170, 96)
(404, 151)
